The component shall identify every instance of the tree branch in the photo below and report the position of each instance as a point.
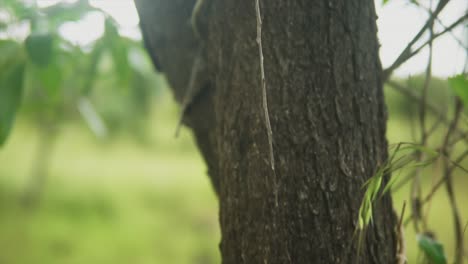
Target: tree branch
(401, 253)
(435, 187)
(449, 183)
(407, 52)
(460, 42)
(416, 184)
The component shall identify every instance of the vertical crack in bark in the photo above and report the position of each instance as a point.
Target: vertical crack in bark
(263, 84)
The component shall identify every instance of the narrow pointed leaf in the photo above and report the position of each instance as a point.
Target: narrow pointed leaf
(433, 249)
(40, 48)
(11, 82)
(459, 85)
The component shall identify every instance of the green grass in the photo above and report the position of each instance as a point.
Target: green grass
(113, 202)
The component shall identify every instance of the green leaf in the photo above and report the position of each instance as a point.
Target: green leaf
(9, 50)
(92, 66)
(390, 183)
(459, 85)
(433, 249)
(119, 51)
(11, 85)
(40, 48)
(20, 9)
(51, 79)
(416, 147)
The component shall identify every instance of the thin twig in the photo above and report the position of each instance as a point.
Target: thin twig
(407, 50)
(460, 42)
(427, 81)
(460, 137)
(401, 256)
(422, 119)
(456, 163)
(403, 182)
(416, 184)
(408, 53)
(448, 29)
(459, 160)
(264, 93)
(434, 127)
(441, 181)
(412, 116)
(449, 184)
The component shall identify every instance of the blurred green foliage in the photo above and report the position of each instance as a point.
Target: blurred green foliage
(433, 249)
(459, 85)
(438, 95)
(10, 96)
(62, 80)
(109, 203)
(89, 210)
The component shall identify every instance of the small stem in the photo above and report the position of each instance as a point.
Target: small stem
(401, 256)
(409, 52)
(449, 184)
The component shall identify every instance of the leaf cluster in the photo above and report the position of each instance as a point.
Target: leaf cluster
(48, 75)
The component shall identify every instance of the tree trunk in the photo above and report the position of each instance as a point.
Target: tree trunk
(325, 99)
(47, 137)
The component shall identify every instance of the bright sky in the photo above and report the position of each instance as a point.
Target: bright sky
(398, 22)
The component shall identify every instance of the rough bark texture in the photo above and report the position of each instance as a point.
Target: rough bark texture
(328, 119)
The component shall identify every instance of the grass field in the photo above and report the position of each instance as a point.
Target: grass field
(113, 202)
(123, 202)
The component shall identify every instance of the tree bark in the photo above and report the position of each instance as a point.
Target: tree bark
(324, 90)
(173, 48)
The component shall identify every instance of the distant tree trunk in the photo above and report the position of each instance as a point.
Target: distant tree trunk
(328, 117)
(47, 137)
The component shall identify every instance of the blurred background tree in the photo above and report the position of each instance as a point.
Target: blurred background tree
(65, 194)
(59, 77)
